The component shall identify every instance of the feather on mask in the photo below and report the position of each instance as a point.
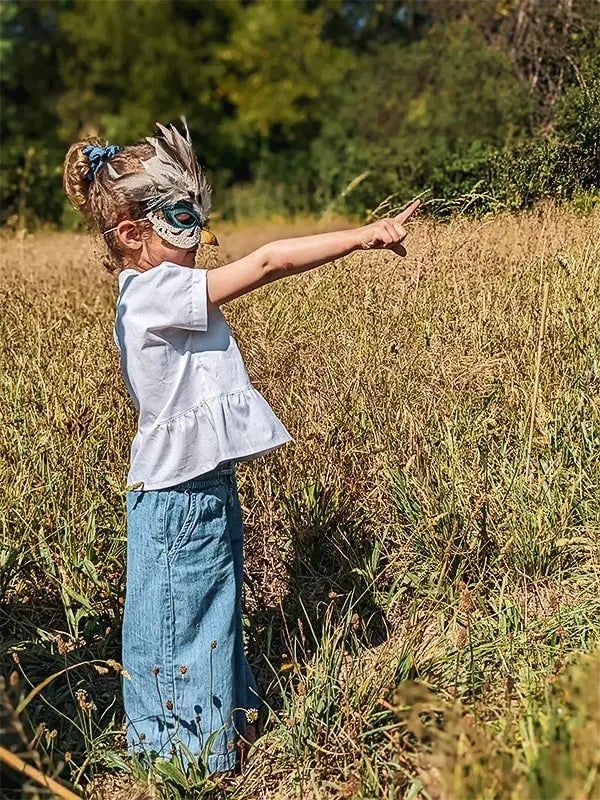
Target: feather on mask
(171, 176)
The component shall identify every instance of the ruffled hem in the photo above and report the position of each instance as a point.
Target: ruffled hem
(233, 427)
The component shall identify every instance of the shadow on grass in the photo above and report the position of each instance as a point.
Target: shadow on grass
(332, 559)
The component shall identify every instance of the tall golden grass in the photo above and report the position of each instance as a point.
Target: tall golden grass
(422, 561)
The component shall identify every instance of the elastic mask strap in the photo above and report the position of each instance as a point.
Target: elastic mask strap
(110, 230)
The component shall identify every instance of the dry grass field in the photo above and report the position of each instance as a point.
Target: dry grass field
(422, 598)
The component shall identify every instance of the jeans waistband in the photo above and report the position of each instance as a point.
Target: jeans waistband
(227, 468)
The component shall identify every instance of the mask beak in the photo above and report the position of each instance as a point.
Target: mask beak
(207, 237)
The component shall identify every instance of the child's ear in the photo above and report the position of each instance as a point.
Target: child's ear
(129, 235)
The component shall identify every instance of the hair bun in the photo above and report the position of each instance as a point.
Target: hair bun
(76, 168)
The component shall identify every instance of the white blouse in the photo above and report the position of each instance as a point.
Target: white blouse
(185, 375)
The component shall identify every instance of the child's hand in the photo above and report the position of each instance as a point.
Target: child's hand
(387, 233)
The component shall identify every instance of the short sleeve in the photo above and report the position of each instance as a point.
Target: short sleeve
(167, 296)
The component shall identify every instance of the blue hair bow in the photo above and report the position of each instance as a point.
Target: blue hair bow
(98, 156)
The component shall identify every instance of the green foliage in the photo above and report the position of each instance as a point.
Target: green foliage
(31, 151)
(132, 63)
(28, 182)
(361, 24)
(324, 105)
(422, 134)
(578, 119)
(269, 84)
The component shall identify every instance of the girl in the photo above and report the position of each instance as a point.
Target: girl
(198, 415)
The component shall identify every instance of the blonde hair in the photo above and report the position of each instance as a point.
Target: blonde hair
(102, 201)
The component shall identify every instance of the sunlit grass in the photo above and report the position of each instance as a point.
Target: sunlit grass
(422, 585)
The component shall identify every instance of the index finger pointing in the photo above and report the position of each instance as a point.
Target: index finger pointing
(404, 215)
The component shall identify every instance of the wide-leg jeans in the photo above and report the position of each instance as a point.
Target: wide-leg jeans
(189, 680)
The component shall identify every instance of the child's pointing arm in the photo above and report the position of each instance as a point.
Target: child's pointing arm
(291, 256)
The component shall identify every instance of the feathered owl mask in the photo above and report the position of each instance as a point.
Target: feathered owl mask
(172, 188)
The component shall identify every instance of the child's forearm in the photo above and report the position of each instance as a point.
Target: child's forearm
(291, 256)
(277, 260)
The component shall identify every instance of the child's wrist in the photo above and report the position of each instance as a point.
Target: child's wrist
(356, 238)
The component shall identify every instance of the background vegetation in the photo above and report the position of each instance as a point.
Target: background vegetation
(422, 602)
(423, 595)
(484, 105)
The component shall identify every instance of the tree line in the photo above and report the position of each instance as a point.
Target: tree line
(305, 106)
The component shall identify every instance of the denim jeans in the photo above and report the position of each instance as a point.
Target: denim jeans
(182, 626)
